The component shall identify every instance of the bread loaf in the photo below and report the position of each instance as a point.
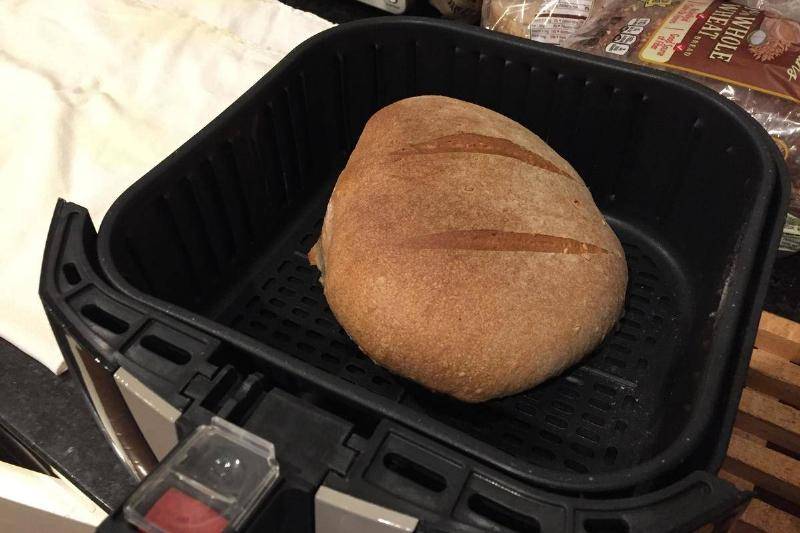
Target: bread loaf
(461, 251)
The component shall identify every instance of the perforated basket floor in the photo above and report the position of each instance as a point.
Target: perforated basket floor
(597, 417)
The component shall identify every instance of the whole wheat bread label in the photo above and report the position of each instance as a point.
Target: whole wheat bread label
(730, 42)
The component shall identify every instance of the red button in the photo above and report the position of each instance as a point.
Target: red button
(177, 512)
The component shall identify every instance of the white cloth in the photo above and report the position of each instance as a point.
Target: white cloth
(93, 94)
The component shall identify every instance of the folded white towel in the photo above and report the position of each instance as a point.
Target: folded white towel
(94, 93)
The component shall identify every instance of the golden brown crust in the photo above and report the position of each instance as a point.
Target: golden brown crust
(478, 273)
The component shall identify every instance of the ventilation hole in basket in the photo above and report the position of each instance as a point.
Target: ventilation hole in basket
(415, 472)
(302, 269)
(664, 300)
(283, 267)
(620, 426)
(605, 390)
(311, 334)
(380, 381)
(267, 313)
(576, 466)
(71, 273)
(104, 319)
(594, 419)
(563, 407)
(619, 348)
(336, 345)
(569, 392)
(324, 323)
(599, 404)
(252, 302)
(582, 450)
(287, 291)
(291, 324)
(281, 336)
(650, 340)
(629, 322)
(353, 369)
(308, 301)
(502, 515)
(300, 312)
(636, 298)
(520, 424)
(328, 358)
(267, 283)
(614, 361)
(626, 336)
(305, 347)
(628, 402)
(658, 319)
(526, 408)
(294, 280)
(605, 525)
(255, 324)
(551, 437)
(588, 434)
(556, 421)
(610, 456)
(276, 302)
(641, 363)
(542, 454)
(166, 350)
(514, 439)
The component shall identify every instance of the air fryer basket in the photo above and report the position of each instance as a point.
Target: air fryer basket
(217, 234)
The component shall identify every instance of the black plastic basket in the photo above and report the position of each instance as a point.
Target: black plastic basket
(215, 237)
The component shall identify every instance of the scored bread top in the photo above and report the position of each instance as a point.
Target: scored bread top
(459, 250)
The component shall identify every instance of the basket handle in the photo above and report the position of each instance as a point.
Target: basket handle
(103, 334)
(700, 500)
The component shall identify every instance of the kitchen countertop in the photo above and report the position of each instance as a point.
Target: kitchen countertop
(50, 417)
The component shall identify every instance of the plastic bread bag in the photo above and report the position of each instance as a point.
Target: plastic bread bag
(747, 50)
(546, 21)
(468, 11)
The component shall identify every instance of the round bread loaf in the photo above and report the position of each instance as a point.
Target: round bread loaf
(461, 251)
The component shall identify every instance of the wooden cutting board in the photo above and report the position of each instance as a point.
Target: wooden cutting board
(764, 452)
